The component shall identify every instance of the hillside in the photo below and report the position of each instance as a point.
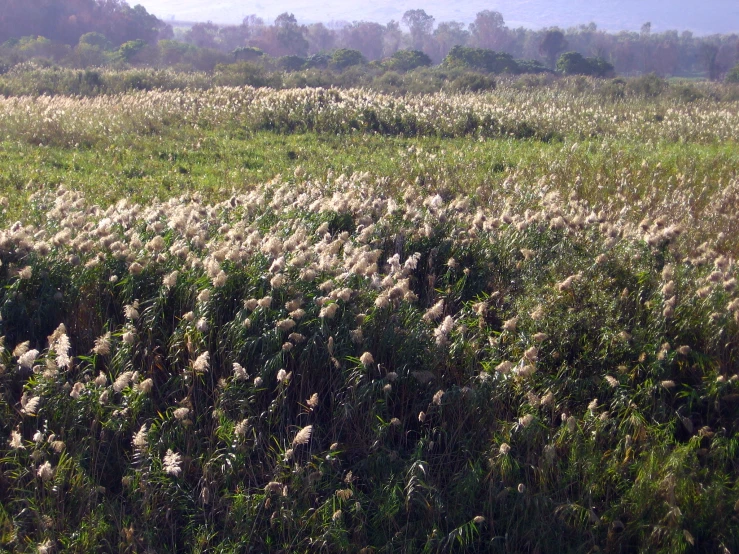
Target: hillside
(711, 16)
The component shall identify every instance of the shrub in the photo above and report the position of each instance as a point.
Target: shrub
(344, 58)
(407, 60)
(574, 63)
(733, 75)
(647, 86)
(480, 59)
(473, 82)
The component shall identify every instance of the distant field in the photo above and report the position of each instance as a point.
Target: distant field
(307, 320)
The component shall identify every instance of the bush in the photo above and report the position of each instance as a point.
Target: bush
(407, 60)
(473, 82)
(480, 59)
(647, 86)
(344, 58)
(733, 75)
(291, 63)
(574, 63)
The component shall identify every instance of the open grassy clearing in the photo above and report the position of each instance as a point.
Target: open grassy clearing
(343, 340)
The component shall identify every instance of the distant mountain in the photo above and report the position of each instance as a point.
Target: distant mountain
(701, 17)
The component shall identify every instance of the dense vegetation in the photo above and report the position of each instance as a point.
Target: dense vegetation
(241, 319)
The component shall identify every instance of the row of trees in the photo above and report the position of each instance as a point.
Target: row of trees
(96, 32)
(667, 53)
(65, 21)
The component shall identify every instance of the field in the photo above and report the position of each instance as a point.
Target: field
(254, 320)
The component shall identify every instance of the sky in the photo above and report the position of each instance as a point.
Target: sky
(701, 17)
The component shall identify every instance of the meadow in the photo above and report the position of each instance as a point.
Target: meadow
(242, 319)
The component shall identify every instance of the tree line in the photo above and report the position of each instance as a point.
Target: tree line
(86, 33)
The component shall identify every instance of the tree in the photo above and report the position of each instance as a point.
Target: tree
(733, 75)
(447, 35)
(480, 59)
(420, 25)
(552, 43)
(344, 57)
(574, 63)
(291, 35)
(407, 60)
(489, 30)
(708, 53)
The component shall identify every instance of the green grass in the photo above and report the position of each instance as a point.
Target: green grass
(625, 438)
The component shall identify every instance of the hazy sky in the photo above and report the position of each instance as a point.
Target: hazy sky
(703, 17)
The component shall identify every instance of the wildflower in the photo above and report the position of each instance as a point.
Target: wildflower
(668, 384)
(684, 350)
(77, 390)
(21, 349)
(16, 441)
(25, 273)
(45, 472)
(241, 427)
(531, 354)
(548, 399)
(312, 402)
(567, 283)
(438, 396)
(273, 486)
(31, 406)
(265, 302)
(221, 279)
(202, 325)
(239, 372)
(329, 311)
(203, 296)
(278, 281)
(612, 381)
(140, 439)
(538, 314)
(26, 360)
(593, 405)
(171, 463)
(540, 337)
(181, 413)
(102, 345)
(504, 449)
(202, 363)
(434, 312)
(477, 520)
(510, 325)
(303, 436)
(366, 359)
(258, 382)
(526, 420)
(442, 331)
(145, 386)
(122, 381)
(129, 338)
(130, 312)
(504, 367)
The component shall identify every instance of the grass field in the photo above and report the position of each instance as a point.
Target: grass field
(240, 320)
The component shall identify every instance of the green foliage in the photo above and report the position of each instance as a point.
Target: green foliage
(647, 86)
(344, 58)
(480, 59)
(129, 50)
(733, 75)
(617, 432)
(407, 60)
(574, 63)
(473, 82)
